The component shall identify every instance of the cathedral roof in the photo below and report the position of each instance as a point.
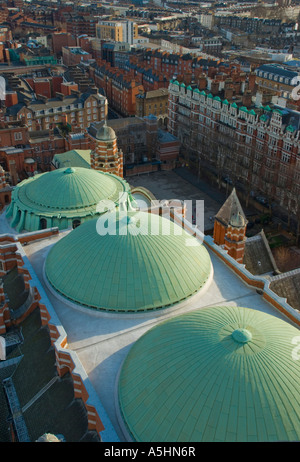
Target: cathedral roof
(218, 374)
(62, 195)
(68, 189)
(128, 263)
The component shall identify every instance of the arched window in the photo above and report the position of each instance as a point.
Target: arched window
(76, 223)
(43, 223)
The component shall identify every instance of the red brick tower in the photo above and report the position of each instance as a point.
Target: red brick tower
(5, 190)
(106, 156)
(235, 237)
(230, 227)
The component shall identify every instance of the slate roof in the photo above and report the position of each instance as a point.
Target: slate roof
(275, 69)
(258, 257)
(54, 409)
(287, 286)
(231, 208)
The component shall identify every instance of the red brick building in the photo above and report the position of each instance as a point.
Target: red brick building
(120, 87)
(62, 39)
(74, 55)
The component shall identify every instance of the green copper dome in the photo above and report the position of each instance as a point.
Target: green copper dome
(70, 188)
(144, 262)
(62, 195)
(219, 374)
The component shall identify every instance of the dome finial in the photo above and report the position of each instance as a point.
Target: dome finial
(241, 335)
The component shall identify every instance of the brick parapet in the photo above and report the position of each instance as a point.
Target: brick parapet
(258, 282)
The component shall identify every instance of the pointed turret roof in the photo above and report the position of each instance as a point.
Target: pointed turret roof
(230, 209)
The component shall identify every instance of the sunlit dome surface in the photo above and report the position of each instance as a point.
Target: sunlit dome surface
(149, 263)
(62, 195)
(217, 374)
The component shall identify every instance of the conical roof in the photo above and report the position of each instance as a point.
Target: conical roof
(219, 374)
(144, 262)
(231, 211)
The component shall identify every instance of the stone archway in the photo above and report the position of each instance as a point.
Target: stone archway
(43, 223)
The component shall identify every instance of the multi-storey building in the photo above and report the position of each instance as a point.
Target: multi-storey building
(77, 109)
(277, 79)
(74, 55)
(153, 102)
(256, 148)
(81, 24)
(120, 31)
(120, 87)
(62, 39)
(115, 53)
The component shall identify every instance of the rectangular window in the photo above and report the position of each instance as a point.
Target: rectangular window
(18, 136)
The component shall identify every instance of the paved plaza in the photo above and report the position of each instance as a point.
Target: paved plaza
(170, 185)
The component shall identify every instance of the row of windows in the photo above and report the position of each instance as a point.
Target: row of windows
(275, 77)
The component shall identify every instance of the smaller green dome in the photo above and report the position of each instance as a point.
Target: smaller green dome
(225, 102)
(234, 105)
(182, 85)
(243, 109)
(61, 196)
(217, 98)
(216, 374)
(143, 264)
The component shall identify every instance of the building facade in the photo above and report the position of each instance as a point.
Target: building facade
(120, 31)
(254, 147)
(77, 109)
(120, 88)
(153, 102)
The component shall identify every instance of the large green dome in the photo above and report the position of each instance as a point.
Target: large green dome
(70, 188)
(146, 265)
(61, 196)
(221, 374)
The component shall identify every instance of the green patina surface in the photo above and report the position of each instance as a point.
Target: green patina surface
(130, 270)
(218, 374)
(61, 196)
(74, 158)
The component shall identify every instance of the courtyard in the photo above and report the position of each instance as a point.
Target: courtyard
(168, 185)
